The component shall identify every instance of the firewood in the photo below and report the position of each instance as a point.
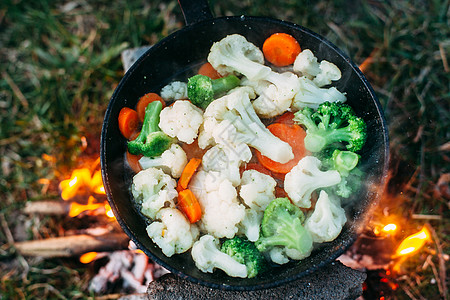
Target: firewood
(75, 245)
(47, 207)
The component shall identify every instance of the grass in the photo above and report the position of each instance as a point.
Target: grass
(60, 62)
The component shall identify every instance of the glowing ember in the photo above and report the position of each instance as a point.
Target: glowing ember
(390, 228)
(108, 211)
(88, 257)
(413, 242)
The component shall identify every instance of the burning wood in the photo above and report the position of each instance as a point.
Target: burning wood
(73, 245)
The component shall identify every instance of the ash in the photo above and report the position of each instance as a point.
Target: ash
(130, 267)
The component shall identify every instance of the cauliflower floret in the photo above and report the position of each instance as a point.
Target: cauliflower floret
(306, 64)
(328, 72)
(175, 90)
(234, 54)
(276, 93)
(153, 189)
(251, 224)
(257, 189)
(181, 120)
(207, 257)
(174, 234)
(327, 220)
(221, 211)
(172, 161)
(227, 158)
(305, 178)
(321, 74)
(232, 119)
(310, 95)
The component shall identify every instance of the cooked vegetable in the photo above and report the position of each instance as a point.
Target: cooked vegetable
(257, 190)
(231, 119)
(188, 172)
(202, 90)
(208, 70)
(221, 210)
(207, 257)
(133, 162)
(345, 162)
(281, 49)
(144, 101)
(227, 159)
(310, 95)
(332, 123)
(128, 122)
(172, 161)
(234, 54)
(153, 190)
(175, 90)
(151, 141)
(189, 205)
(275, 93)
(327, 220)
(305, 178)
(173, 233)
(282, 228)
(294, 136)
(321, 74)
(181, 120)
(245, 252)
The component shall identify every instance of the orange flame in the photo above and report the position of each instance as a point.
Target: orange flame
(80, 178)
(76, 208)
(108, 211)
(88, 257)
(413, 243)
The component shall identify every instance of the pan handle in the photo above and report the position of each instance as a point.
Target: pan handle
(195, 10)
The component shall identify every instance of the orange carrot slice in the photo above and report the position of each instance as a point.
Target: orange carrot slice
(188, 172)
(144, 101)
(128, 122)
(281, 49)
(294, 135)
(208, 70)
(189, 205)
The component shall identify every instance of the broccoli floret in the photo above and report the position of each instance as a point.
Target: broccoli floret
(282, 227)
(202, 90)
(245, 252)
(151, 141)
(345, 162)
(332, 123)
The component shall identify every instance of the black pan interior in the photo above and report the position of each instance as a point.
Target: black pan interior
(172, 57)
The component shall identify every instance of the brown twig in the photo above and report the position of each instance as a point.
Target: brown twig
(442, 277)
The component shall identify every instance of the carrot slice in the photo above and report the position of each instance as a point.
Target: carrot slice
(144, 101)
(286, 118)
(187, 173)
(133, 161)
(128, 122)
(281, 49)
(189, 205)
(208, 70)
(294, 135)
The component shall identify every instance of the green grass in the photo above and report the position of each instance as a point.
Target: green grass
(60, 62)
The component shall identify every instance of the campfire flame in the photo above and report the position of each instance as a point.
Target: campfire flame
(413, 243)
(83, 180)
(88, 257)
